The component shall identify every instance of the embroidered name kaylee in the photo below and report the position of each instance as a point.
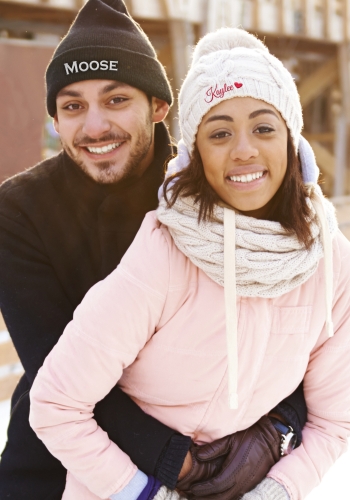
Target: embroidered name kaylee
(220, 92)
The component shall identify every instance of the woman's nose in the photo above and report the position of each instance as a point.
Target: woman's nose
(96, 123)
(243, 148)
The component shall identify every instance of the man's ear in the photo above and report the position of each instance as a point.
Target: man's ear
(55, 123)
(160, 109)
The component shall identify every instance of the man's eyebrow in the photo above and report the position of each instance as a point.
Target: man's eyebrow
(111, 86)
(261, 112)
(225, 118)
(107, 88)
(68, 93)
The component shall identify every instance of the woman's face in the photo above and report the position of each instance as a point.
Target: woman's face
(243, 146)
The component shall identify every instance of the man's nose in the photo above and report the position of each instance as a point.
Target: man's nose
(96, 123)
(243, 148)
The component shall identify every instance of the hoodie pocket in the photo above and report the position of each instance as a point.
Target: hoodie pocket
(291, 320)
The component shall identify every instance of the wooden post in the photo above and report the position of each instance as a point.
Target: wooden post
(282, 8)
(328, 12)
(307, 8)
(342, 124)
(340, 154)
(255, 16)
(182, 39)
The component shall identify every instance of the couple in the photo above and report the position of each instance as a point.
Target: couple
(232, 293)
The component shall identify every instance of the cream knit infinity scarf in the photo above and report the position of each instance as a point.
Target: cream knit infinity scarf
(269, 262)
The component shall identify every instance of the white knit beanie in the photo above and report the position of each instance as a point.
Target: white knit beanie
(233, 63)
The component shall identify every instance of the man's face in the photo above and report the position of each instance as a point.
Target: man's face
(106, 127)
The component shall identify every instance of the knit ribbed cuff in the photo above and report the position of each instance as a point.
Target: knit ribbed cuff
(291, 417)
(133, 489)
(268, 489)
(171, 460)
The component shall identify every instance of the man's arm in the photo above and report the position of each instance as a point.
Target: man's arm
(36, 310)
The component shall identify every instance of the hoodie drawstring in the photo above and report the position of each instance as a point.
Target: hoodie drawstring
(317, 203)
(231, 304)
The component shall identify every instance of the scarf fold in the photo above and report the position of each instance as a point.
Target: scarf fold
(269, 261)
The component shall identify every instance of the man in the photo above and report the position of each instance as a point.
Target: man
(66, 223)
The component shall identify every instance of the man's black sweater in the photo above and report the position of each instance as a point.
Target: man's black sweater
(60, 233)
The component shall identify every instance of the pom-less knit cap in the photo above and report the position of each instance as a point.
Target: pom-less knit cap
(233, 63)
(105, 43)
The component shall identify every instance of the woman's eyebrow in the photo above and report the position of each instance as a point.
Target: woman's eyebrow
(261, 112)
(213, 118)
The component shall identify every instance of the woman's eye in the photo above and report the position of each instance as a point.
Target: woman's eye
(219, 135)
(263, 129)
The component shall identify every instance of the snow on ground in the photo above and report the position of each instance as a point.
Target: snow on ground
(335, 485)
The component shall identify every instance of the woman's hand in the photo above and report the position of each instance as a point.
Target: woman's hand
(187, 466)
(195, 471)
(233, 465)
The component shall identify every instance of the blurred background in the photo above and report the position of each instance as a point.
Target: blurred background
(311, 38)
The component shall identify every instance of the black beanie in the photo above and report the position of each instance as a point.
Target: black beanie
(105, 43)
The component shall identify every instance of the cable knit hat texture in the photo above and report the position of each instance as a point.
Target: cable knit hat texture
(105, 43)
(233, 63)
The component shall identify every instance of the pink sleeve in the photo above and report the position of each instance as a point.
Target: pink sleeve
(327, 394)
(111, 325)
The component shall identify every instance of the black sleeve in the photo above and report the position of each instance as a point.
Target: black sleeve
(293, 410)
(36, 311)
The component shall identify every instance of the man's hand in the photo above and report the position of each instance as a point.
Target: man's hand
(233, 465)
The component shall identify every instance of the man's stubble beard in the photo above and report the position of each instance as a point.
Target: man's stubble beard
(106, 174)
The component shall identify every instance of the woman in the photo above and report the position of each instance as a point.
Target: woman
(228, 297)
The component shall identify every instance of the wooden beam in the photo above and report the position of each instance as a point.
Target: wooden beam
(325, 159)
(36, 13)
(314, 84)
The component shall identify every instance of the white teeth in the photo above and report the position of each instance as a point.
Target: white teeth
(104, 149)
(247, 178)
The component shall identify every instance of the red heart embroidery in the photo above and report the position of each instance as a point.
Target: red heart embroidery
(238, 85)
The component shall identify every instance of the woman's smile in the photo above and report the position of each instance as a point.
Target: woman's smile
(247, 178)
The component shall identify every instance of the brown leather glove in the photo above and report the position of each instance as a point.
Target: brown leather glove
(237, 463)
(200, 470)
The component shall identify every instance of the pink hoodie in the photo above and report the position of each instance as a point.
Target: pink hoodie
(157, 325)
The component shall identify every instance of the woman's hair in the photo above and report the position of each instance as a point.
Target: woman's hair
(288, 206)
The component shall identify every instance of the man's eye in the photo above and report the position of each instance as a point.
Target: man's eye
(264, 129)
(117, 100)
(72, 107)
